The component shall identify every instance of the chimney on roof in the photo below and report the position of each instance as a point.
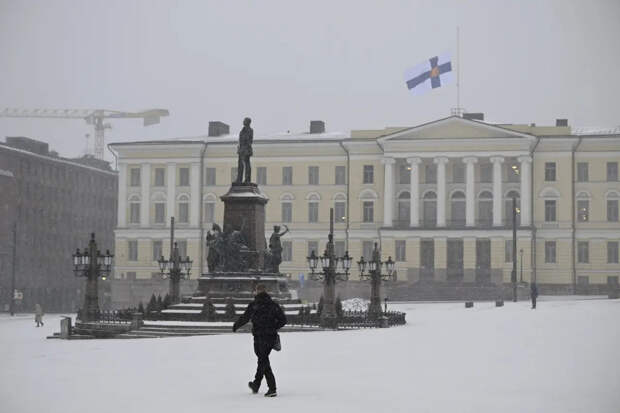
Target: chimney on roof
(474, 116)
(561, 122)
(317, 126)
(217, 128)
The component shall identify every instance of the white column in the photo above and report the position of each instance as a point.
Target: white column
(122, 195)
(441, 190)
(171, 174)
(526, 190)
(195, 201)
(414, 206)
(497, 190)
(388, 192)
(145, 194)
(470, 194)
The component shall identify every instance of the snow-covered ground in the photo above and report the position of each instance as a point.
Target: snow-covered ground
(562, 357)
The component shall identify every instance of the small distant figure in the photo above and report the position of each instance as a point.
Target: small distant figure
(267, 318)
(38, 315)
(275, 247)
(244, 150)
(533, 294)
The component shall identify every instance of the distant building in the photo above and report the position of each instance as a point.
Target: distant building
(57, 202)
(437, 197)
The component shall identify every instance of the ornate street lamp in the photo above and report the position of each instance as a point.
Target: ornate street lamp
(372, 270)
(333, 268)
(175, 268)
(91, 264)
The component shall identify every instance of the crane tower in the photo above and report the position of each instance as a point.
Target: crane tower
(93, 117)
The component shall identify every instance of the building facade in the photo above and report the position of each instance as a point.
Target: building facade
(436, 197)
(57, 203)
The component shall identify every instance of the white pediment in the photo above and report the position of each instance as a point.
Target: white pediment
(453, 127)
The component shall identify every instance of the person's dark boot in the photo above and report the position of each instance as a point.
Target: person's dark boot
(253, 387)
(271, 393)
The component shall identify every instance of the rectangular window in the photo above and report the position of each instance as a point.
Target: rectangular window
(404, 174)
(287, 251)
(134, 213)
(182, 246)
(261, 175)
(612, 252)
(612, 210)
(550, 211)
(287, 212)
(582, 172)
(430, 174)
(583, 280)
(550, 252)
(287, 175)
(458, 173)
(313, 246)
(583, 210)
(313, 175)
(367, 249)
(210, 176)
(508, 250)
(340, 175)
(183, 212)
(400, 248)
(157, 250)
(612, 171)
(549, 171)
(368, 174)
(486, 172)
(134, 175)
(209, 212)
(340, 211)
(339, 248)
(233, 174)
(160, 212)
(183, 176)
(368, 211)
(132, 253)
(313, 212)
(160, 177)
(583, 252)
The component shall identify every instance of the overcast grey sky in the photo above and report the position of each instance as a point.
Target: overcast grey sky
(285, 63)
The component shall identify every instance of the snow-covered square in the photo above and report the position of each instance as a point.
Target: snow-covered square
(562, 357)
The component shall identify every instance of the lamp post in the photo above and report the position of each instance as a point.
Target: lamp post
(92, 265)
(175, 268)
(513, 274)
(371, 270)
(330, 265)
(521, 276)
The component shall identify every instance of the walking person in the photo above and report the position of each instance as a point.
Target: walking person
(38, 315)
(533, 294)
(267, 318)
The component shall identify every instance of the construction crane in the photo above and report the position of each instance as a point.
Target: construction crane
(93, 117)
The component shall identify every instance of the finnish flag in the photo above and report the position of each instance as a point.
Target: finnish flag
(435, 72)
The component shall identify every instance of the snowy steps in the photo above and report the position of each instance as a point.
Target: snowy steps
(160, 331)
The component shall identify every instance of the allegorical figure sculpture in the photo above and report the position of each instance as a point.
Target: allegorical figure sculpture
(213, 257)
(275, 248)
(244, 150)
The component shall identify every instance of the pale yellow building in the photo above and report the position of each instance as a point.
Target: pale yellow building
(436, 197)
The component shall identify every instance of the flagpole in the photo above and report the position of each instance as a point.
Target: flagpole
(458, 72)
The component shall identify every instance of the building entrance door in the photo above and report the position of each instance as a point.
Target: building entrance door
(427, 259)
(483, 260)
(455, 260)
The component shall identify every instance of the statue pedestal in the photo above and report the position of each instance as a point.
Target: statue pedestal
(244, 211)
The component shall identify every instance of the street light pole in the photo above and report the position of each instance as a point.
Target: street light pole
(521, 277)
(176, 266)
(513, 275)
(375, 275)
(12, 303)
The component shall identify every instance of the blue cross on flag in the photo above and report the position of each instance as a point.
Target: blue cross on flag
(435, 72)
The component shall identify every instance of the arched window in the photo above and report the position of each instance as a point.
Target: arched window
(183, 209)
(457, 209)
(583, 206)
(313, 207)
(404, 210)
(208, 208)
(612, 205)
(368, 197)
(159, 208)
(485, 209)
(134, 209)
(508, 208)
(430, 209)
(286, 202)
(340, 208)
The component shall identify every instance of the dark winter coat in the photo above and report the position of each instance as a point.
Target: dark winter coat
(533, 290)
(266, 316)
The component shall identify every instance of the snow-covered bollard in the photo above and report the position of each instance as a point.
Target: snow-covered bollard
(469, 304)
(65, 327)
(499, 303)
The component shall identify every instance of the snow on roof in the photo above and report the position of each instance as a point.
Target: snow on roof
(596, 130)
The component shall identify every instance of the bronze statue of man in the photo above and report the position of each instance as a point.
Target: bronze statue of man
(275, 247)
(244, 150)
